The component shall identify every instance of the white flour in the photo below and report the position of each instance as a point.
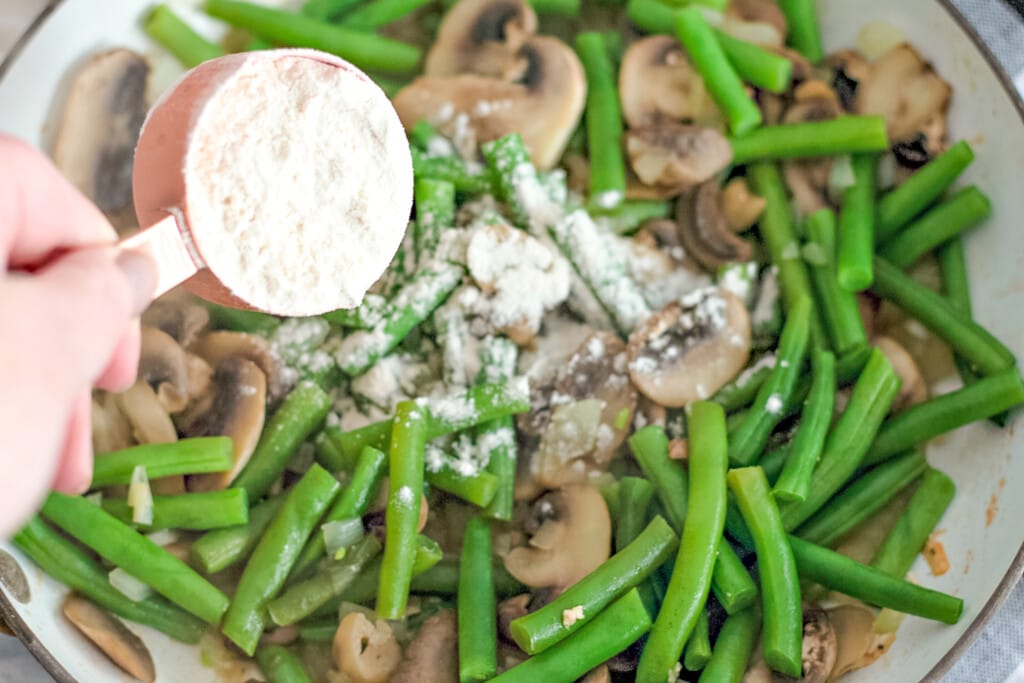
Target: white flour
(300, 184)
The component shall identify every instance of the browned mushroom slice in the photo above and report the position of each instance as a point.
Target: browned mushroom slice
(182, 319)
(112, 637)
(691, 348)
(705, 232)
(848, 69)
(111, 431)
(808, 180)
(162, 364)
(100, 124)
(509, 610)
(741, 208)
(672, 154)
(215, 347)
(237, 410)
(541, 97)
(598, 675)
(820, 647)
(913, 387)
(365, 651)
(573, 540)
(858, 644)
(145, 413)
(433, 655)
(480, 37)
(657, 83)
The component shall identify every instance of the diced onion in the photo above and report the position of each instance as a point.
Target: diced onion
(164, 537)
(96, 498)
(815, 254)
(888, 621)
(841, 176)
(127, 584)
(341, 533)
(886, 171)
(140, 497)
(878, 37)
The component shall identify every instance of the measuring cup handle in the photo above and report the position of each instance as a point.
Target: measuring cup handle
(164, 243)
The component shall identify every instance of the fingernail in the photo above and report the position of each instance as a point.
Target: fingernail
(140, 272)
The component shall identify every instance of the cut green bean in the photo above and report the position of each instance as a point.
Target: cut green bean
(281, 665)
(733, 648)
(698, 648)
(375, 14)
(859, 501)
(218, 550)
(565, 8)
(603, 122)
(739, 393)
(70, 565)
(690, 584)
(199, 455)
(275, 555)
(299, 416)
(908, 537)
(839, 310)
(932, 310)
(237, 320)
(584, 600)
(635, 496)
(432, 574)
(816, 418)
(731, 582)
(360, 491)
(451, 169)
(496, 439)
(194, 511)
(478, 489)
(921, 190)
(405, 482)
(630, 214)
(365, 50)
(755, 65)
(857, 225)
(780, 584)
(802, 24)
(180, 39)
(849, 440)
(137, 555)
(328, 453)
(364, 316)
(747, 442)
(963, 210)
(478, 628)
(609, 633)
(319, 630)
(435, 213)
(922, 422)
(873, 586)
(720, 78)
(835, 137)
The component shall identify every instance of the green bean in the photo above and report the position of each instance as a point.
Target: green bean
(360, 491)
(497, 439)
(326, 10)
(630, 214)
(365, 50)
(731, 582)
(740, 392)
(635, 496)
(906, 539)
(922, 422)
(780, 585)
(626, 569)
(859, 501)
(848, 368)
(281, 665)
(319, 630)
(720, 78)
(298, 417)
(816, 418)
(802, 23)
(839, 310)
(747, 443)
(755, 65)
(610, 632)
(405, 482)
(218, 550)
(509, 165)
(478, 628)
(875, 587)
(932, 310)
(275, 555)
(435, 213)
(733, 648)
(963, 210)
(857, 225)
(698, 648)
(567, 8)
(364, 316)
(68, 564)
(136, 555)
(478, 489)
(834, 137)
(691, 578)
(199, 455)
(850, 439)
(451, 169)
(378, 13)
(328, 452)
(919, 191)
(776, 229)
(196, 511)
(167, 28)
(603, 121)
(237, 320)
(304, 598)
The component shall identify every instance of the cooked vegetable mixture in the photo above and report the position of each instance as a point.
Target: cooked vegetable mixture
(634, 401)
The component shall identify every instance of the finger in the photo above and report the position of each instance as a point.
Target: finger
(74, 472)
(123, 366)
(40, 211)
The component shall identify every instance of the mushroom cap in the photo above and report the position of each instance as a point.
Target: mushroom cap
(215, 347)
(903, 88)
(162, 364)
(480, 37)
(658, 83)
(675, 155)
(820, 646)
(118, 643)
(145, 413)
(690, 348)
(705, 232)
(110, 429)
(913, 387)
(181, 318)
(540, 96)
(569, 545)
(433, 655)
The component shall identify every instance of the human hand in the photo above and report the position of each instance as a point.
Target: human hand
(68, 324)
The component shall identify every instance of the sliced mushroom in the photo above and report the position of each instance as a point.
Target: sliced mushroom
(162, 364)
(366, 652)
(705, 231)
(540, 96)
(598, 675)
(110, 429)
(691, 348)
(480, 37)
(808, 179)
(658, 84)
(433, 655)
(913, 387)
(573, 541)
(675, 155)
(96, 136)
(237, 410)
(122, 646)
(509, 610)
(741, 208)
(820, 646)
(145, 413)
(182, 319)
(214, 347)
(848, 68)
(858, 644)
